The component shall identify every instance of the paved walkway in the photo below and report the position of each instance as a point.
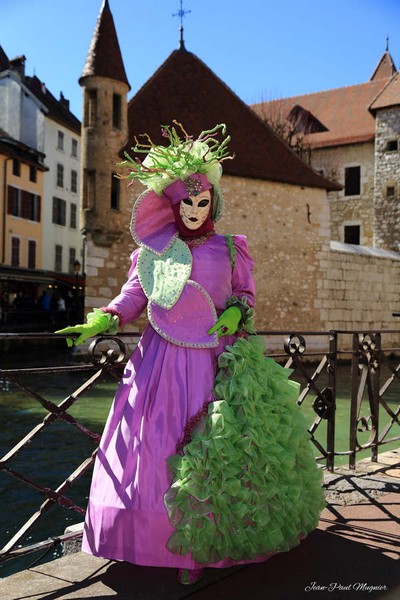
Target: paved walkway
(354, 553)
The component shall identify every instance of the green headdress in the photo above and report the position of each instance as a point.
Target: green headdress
(181, 158)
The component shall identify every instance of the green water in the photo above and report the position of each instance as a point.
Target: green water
(60, 448)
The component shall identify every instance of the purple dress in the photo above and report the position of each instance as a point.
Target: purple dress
(162, 387)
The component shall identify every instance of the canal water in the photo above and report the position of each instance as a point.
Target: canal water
(59, 449)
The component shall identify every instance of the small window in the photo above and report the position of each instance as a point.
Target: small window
(33, 209)
(31, 254)
(74, 181)
(58, 259)
(115, 188)
(117, 111)
(352, 234)
(15, 251)
(60, 175)
(352, 177)
(89, 188)
(72, 259)
(60, 140)
(390, 191)
(392, 146)
(32, 174)
(16, 167)
(74, 148)
(90, 108)
(59, 211)
(72, 222)
(14, 204)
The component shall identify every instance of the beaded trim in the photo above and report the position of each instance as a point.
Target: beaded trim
(214, 338)
(193, 186)
(198, 241)
(132, 229)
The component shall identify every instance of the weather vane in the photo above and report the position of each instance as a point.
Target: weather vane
(182, 12)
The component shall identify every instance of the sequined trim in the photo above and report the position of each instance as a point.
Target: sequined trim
(199, 241)
(134, 235)
(193, 186)
(169, 338)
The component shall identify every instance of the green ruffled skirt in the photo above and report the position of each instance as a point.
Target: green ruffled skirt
(247, 483)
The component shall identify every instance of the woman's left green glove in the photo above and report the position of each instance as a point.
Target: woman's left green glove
(97, 322)
(228, 322)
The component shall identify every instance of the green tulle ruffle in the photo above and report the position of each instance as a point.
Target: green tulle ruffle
(247, 484)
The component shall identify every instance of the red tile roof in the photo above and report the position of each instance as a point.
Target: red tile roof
(185, 89)
(104, 58)
(58, 110)
(389, 96)
(343, 111)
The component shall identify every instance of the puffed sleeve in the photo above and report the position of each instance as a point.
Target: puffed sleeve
(131, 301)
(243, 284)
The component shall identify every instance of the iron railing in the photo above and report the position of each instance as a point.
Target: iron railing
(373, 375)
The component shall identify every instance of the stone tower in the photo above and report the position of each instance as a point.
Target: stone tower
(386, 109)
(104, 133)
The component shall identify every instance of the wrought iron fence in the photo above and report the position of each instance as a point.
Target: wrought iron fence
(372, 364)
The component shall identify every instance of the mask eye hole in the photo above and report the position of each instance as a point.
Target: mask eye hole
(187, 201)
(203, 203)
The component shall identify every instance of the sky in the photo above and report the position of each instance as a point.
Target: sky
(262, 49)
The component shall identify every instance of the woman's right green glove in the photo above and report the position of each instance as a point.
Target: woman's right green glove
(97, 322)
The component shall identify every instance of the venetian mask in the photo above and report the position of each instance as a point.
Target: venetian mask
(194, 210)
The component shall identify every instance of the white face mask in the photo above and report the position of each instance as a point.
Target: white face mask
(194, 209)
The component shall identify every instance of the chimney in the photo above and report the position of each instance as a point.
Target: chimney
(64, 102)
(17, 64)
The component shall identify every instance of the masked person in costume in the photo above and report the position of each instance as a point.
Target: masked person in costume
(205, 459)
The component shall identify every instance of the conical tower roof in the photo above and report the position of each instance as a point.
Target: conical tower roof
(385, 67)
(185, 89)
(104, 58)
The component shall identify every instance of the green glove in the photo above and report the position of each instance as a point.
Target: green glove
(97, 322)
(228, 322)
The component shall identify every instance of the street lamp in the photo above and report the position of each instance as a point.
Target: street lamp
(77, 268)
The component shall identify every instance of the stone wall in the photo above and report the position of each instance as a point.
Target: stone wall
(360, 289)
(349, 210)
(286, 227)
(304, 282)
(387, 169)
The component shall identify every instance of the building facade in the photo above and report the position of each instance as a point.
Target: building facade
(289, 210)
(62, 149)
(353, 134)
(41, 244)
(270, 193)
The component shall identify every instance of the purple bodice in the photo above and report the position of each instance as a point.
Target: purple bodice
(212, 270)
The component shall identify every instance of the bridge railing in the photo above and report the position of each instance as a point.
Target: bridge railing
(369, 361)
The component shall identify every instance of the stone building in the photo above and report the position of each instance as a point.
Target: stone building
(288, 210)
(271, 195)
(354, 134)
